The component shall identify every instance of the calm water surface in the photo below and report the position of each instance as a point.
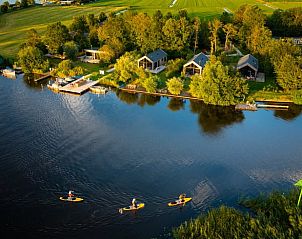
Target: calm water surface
(111, 148)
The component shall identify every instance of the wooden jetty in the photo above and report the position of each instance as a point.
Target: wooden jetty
(273, 106)
(79, 86)
(43, 77)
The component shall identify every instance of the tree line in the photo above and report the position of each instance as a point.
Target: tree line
(6, 6)
(123, 38)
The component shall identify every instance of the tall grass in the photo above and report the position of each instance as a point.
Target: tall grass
(275, 216)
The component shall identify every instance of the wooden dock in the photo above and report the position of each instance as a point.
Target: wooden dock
(43, 77)
(273, 106)
(79, 86)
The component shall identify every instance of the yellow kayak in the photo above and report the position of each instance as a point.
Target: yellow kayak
(131, 208)
(72, 199)
(179, 202)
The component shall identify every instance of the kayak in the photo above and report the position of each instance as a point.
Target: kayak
(131, 208)
(73, 199)
(179, 202)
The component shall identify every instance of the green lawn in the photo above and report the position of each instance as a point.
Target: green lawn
(13, 26)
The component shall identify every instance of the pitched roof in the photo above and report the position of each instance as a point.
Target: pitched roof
(200, 59)
(248, 60)
(157, 55)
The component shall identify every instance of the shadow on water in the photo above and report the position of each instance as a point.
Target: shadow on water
(292, 113)
(212, 119)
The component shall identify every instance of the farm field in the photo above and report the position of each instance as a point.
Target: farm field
(14, 25)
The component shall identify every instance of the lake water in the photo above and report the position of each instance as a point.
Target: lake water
(114, 147)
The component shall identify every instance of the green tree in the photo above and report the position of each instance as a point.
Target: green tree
(32, 60)
(150, 83)
(71, 50)
(259, 40)
(177, 34)
(214, 27)
(18, 4)
(175, 86)
(4, 8)
(67, 69)
(196, 86)
(79, 29)
(55, 37)
(126, 67)
(24, 3)
(230, 32)
(174, 67)
(289, 72)
(218, 87)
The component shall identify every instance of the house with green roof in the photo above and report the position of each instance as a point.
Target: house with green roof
(154, 61)
(196, 64)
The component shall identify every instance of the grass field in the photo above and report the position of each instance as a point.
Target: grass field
(14, 25)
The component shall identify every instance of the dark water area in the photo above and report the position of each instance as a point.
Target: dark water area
(111, 148)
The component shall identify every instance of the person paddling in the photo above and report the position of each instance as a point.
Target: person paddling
(182, 197)
(134, 205)
(70, 195)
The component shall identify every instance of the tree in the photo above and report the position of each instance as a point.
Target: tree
(259, 40)
(126, 66)
(71, 50)
(217, 87)
(34, 39)
(24, 3)
(113, 33)
(17, 4)
(67, 69)
(79, 29)
(150, 83)
(177, 34)
(196, 86)
(175, 86)
(230, 32)
(55, 37)
(196, 27)
(214, 27)
(289, 72)
(32, 60)
(174, 67)
(4, 8)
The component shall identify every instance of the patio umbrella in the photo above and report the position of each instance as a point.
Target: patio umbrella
(299, 184)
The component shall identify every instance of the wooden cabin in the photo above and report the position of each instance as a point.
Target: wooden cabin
(248, 66)
(195, 65)
(153, 60)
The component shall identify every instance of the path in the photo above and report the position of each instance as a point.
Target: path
(173, 3)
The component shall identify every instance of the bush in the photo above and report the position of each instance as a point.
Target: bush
(175, 86)
(174, 67)
(297, 97)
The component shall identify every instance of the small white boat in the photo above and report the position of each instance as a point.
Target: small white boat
(98, 89)
(9, 73)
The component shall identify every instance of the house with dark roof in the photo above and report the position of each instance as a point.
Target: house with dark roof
(196, 64)
(248, 66)
(154, 61)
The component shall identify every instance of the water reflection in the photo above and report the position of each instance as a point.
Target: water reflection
(212, 119)
(293, 112)
(126, 97)
(148, 99)
(176, 104)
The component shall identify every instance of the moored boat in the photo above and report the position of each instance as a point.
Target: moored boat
(98, 89)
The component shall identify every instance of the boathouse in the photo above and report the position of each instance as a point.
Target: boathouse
(196, 64)
(154, 61)
(248, 66)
